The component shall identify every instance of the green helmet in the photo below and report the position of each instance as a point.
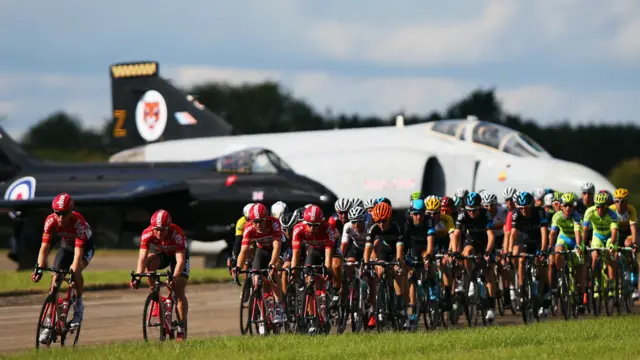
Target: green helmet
(568, 198)
(601, 199)
(415, 195)
(557, 195)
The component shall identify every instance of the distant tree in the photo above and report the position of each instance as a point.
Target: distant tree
(58, 131)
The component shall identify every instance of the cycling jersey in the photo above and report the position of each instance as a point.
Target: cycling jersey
(500, 220)
(390, 237)
(475, 229)
(567, 227)
(264, 239)
(74, 233)
(350, 235)
(549, 215)
(601, 226)
(335, 223)
(241, 224)
(173, 242)
(529, 235)
(416, 235)
(507, 225)
(581, 208)
(626, 220)
(322, 239)
(444, 227)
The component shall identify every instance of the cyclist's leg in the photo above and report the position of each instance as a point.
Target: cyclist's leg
(336, 273)
(156, 261)
(611, 258)
(78, 277)
(180, 291)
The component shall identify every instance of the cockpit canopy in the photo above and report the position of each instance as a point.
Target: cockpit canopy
(490, 134)
(251, 161)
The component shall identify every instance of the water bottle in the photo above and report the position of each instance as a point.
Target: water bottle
(168, 306)
(634, 280)
(322, 305)
(481, 287)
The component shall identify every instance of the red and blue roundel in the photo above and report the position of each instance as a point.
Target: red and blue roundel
(21, 189)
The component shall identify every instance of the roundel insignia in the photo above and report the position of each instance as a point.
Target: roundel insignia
(151, 115)
(21, 189)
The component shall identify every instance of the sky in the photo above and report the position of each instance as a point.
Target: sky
(549, 60)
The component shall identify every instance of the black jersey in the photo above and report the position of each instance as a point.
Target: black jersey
(417, 234)
(476, 229)
(581, 208)
(529, 227)
(390, 237)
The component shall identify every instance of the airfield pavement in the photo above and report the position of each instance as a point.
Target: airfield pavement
(115, 315)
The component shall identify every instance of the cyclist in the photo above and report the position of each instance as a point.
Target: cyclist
(169, 249)
(538, 197)
(337, 222)
(266, 233)
(287, 222)
(419, 233)
(604, 223)
(499, 217)
(444, 225)
(368, 206)
(240, 225)
(477, 223)
(318, 237)
(532, 237)
(278, 209)
(386, 243)
(447, 207)
(627, 228)
(565, 235)
(76, 249)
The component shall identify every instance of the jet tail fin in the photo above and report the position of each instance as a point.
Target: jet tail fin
(148, 108)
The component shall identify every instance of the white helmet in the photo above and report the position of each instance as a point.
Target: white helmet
(278, 209)
(489, 198)
(509, 193)
(356, 202)
(356, 213)
(548, 200)
(461, 193)
(369, 203)
(586, 186)
(538, 194)
(246, 209)
(342, 204)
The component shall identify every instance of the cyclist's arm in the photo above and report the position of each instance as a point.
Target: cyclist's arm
(246, 242)
(45, 246)
(328, 246)
(78, 253)
(368, 248)
(491, 238)
(277, 244)
(400, 248)
(544, 230)
(181, 259)
(236, 246)
(43, 254)
(344, 243)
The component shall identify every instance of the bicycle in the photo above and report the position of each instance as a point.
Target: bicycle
(357, 298)
(53, 315)
(388, 303)
(476, 303)
(602, 287)
(247, 288)
(261, 316)
(314, 313)
(623, 279)
(158, 310)
(531, 300)
(434, 314)
(569, 299)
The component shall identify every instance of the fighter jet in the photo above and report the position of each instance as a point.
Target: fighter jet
(205, 197)
(157, 122)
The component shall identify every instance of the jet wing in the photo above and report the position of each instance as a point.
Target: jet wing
(124, 194)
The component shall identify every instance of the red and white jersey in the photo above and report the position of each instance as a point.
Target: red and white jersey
(264, 239)
(75, 233)
(508, 224)
(323, 238)
(174, 241)
(500, 220)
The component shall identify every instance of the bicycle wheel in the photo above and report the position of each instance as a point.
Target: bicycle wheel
(75, 331)
(527, 302)
(245, 311)
(153, 316)
(597, 295)
(257, 311)
(47, 320)
(312, 318)
(470, 302)
(564, 290)
(626, 287)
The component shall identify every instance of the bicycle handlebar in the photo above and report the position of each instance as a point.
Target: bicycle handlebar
(151, 274)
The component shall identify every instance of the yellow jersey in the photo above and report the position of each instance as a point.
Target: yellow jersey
(444, 226)
(240, 225)
(627, 219)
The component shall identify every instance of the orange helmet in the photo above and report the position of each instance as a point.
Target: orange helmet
(382, 211)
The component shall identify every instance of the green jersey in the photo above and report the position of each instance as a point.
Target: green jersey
(567, 226)
(601, 226)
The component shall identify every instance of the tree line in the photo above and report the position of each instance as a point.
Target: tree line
(267, 107)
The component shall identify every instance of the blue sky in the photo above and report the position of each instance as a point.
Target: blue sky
(549, 60)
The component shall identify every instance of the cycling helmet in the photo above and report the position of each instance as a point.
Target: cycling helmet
(621, 193)
(457, 201)
(369, 203)
(382, 211)
(313, 215)
(258, 212)
(472, 201)
(342, 204)
(160, 219)
(288, 220)
(298, 214)
(568, 199)
(548, 200)
(461, 193)
(524, 199)
(556, 196)
(508, 193)
(515, 196)
(357, 203)
(62, 203)
(414, 195)
(539, 193)
(278, 209)
(357, 213)
(245, 210)
(417, 205)
(601, 199)
(432, 202)
(446, 202)
(588, 187)
(489, 198)
(383, 200)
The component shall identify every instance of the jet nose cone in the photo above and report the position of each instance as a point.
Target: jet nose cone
(567, 176)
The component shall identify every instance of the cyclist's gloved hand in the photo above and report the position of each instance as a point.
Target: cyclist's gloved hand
(36, 275)
(134, 284)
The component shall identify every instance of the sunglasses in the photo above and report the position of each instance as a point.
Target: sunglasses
(567, 205)
(431, 213)
(586, 193)
(313, 224)
(160, 228)
(61, 213)
(600, 206)
(619, 201)
(256, 222)
(357, 221)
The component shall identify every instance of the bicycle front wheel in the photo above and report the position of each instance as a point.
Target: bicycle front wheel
(47, 321)
(153, 317)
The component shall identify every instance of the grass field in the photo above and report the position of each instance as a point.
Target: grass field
(603, 338)
(19, 282)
